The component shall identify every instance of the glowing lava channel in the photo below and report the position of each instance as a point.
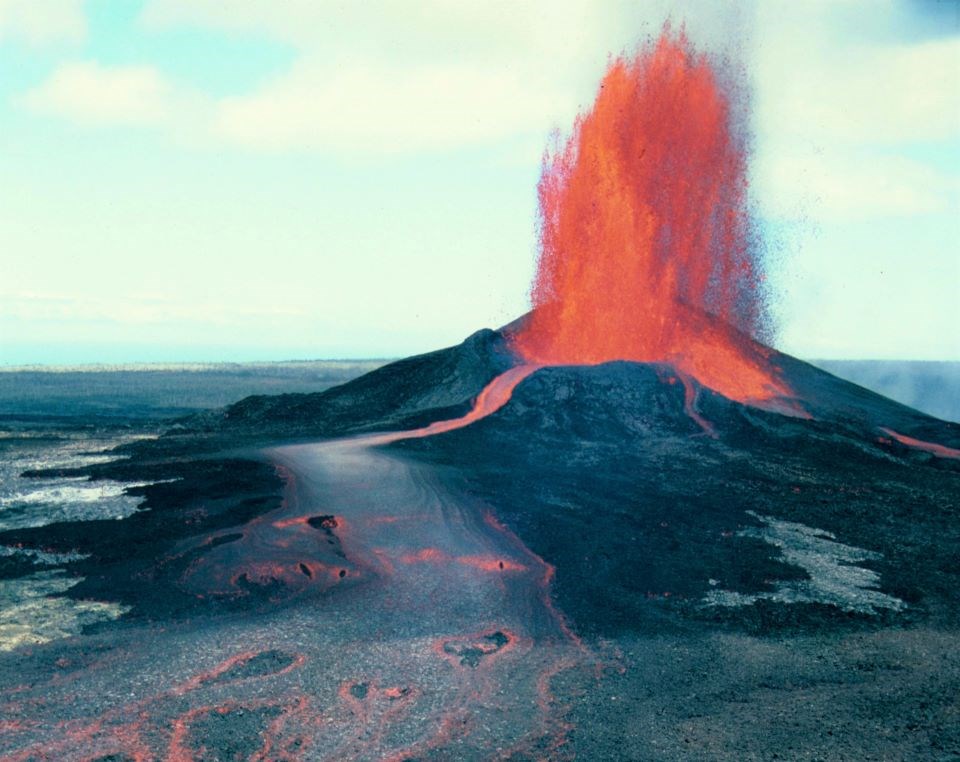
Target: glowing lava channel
(941, 451)
(491, 398)
(646, 244)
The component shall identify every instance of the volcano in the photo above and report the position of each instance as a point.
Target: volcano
(622, 527)
(460, 555)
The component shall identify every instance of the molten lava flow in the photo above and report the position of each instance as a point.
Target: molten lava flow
(646, 250)
(939, 450)
(491, 398)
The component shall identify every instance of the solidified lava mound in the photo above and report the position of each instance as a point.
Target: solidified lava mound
(401, 395)
(657, 510)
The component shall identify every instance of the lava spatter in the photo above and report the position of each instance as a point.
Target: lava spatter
(647, 250)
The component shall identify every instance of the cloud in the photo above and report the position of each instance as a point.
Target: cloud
(382, 80)
(360, 109)
(836, 185)
(42, 22)
(376, 109)
(368, 81)
(373, 79)
(86, 92)
(856, 94)
(363, 82)
(438, 30)
(376, 79)
(137, 309)
(94, 95)
(837, 116)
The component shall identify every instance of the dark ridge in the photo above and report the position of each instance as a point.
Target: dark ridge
(405, 393)
(837, 401)
(139, 560)
(928, 385)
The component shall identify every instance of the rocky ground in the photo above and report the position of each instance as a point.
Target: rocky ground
(728, 582)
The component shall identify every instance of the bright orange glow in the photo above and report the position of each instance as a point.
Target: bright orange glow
(646, 251)
(939, 450)
(492, 397)
(425, 556)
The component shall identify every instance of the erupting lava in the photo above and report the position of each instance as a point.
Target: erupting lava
(646, 249)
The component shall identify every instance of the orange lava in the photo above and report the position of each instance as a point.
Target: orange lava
(492, 397)
(295, 521)
(224, 667)
(479, 562)
(646, 248)
(425, 556)
(277, 744)
(939, 450)
(690, 405)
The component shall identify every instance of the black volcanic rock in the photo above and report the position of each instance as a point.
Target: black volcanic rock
(739, 583)
(400, 395)
(139, 560)
(652, 522)
(838, 402)
(199, 492)
(602, 471)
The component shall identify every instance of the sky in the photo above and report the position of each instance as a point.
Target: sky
(194, 180)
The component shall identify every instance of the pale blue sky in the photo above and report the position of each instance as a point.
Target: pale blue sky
(201, 180)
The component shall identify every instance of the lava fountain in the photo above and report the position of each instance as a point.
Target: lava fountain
(647, 250)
